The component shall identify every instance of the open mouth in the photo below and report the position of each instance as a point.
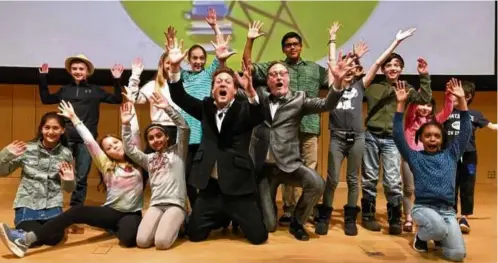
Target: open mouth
(279, 84)
(223, 93)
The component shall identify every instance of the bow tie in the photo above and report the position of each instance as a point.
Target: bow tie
(276, 99)
(221, 113)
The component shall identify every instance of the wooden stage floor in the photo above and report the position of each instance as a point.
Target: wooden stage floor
(97, 246)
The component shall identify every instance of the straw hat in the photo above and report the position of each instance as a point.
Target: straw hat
(82, 58)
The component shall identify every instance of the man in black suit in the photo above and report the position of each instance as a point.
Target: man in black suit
(275, 146)
(222, 169)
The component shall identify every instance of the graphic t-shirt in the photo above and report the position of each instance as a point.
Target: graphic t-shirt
(348, 114)
(452, 127)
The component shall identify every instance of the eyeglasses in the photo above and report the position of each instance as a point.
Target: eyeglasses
(275, 74)
(293, 44)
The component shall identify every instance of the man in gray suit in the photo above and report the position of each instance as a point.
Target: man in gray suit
(275, 145)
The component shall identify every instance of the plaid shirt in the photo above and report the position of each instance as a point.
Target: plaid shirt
(40, 186)
(305, 76)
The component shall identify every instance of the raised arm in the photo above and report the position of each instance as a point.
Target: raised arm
(45, 96)
(398, 133)
(188, 103)
(115, 97)
(459, 144)
(133, 93)
(98, 156)
(372, 71)
(159, 101)
(259, 70)
(445, 113)
(11, 157)
(425, 94)
(332, 49)
(129, 130)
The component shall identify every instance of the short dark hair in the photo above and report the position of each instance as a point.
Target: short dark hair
(391, 57)
(227, 70)
(192, 48)
(469, 88)
(291, 35)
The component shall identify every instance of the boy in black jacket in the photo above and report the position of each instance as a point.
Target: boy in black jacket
(86, 99)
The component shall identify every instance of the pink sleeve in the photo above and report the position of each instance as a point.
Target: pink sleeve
(443, 115)
(410, 115)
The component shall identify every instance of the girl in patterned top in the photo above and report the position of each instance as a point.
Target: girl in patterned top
(122, 210)
(166, 165)
(45, 173)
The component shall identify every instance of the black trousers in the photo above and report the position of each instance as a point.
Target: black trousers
(213, 208)
(466, 182)
(191, 191)
(124, 224)
(34, 226)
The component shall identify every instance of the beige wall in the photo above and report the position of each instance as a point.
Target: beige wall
(21, 109)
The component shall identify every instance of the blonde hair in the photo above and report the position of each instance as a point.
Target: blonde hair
(161, 75)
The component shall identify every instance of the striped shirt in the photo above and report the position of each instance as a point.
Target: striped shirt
(305, 76)
(197, 85)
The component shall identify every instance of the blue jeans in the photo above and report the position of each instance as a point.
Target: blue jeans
(375, 148)
(23, 214)
(82, 168)
(439, 223)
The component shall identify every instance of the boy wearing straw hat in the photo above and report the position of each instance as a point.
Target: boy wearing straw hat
(86, 99)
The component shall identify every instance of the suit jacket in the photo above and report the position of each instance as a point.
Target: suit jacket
(280, 134)
(229, 148)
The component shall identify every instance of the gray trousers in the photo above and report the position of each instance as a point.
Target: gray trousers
(271, 177)
(338, 150)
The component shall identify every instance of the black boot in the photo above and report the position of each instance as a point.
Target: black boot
(323, 220)
(350, 214)
(394, 219)
(368, 220)
(298, 230)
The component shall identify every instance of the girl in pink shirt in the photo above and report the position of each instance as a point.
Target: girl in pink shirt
(415, 117)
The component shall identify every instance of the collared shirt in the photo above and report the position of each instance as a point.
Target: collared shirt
(40, 186)
(305, 76)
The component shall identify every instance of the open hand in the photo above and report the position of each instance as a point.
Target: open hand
(117, 70)
(170, 35)
(246, 80)
(127, 112)
(44, 68)
(402, 35)
(400, 89)
(67, 110)
(360, 49)
(253, 31)
(158, 100)
(455, 88)
(222, 48)
(66, 171)
(17, 148)
(342, 67)
(175, 54)
(137, 66)
(333, 30)
(422, 66)
(211, 17)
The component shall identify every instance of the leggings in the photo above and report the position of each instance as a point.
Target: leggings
(124, 224)
(160, 226)
(36, 225)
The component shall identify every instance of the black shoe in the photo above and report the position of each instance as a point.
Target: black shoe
(420, 245)
(350, 214)
(298, 231)
(464, 225)
(368, 220)
(394, 219)
(323, 220)
(285, 219)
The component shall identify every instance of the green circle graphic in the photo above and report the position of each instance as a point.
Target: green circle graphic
(310, 19)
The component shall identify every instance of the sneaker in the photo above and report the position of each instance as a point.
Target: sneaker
(13, 239)
(464, 225)
(420, 245)
(285, 219)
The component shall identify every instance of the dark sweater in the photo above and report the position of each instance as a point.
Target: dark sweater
(434, 174)
(85, 98)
